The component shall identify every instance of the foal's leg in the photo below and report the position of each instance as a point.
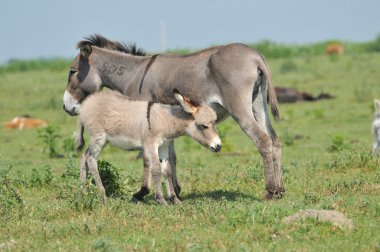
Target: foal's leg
(92, 154)
(145, 188)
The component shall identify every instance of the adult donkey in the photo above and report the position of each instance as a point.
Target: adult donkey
(233, 79)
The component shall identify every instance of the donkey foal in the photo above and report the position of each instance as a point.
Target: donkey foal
(109, 117)
(376, 129)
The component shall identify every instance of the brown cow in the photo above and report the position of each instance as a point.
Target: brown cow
(334, 49)
(25, 122)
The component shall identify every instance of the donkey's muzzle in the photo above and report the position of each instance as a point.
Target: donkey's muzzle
(72, 112)
(217, 148)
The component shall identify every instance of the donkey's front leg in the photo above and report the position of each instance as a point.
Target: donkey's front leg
(166, 169)
(173, 165)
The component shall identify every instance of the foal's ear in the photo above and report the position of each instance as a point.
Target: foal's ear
(377, 105)
(185, 102)
(85, 50)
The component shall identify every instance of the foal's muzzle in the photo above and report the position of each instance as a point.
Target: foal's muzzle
(216, 148)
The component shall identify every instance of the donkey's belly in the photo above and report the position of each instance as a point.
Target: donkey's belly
(124, 143)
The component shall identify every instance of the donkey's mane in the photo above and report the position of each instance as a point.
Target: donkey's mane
(102, 42)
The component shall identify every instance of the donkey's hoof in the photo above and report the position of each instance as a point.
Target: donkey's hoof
(278, 194)
(174, 200)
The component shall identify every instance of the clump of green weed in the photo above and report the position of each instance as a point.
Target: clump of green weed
(111, 178)
(288, 66)
(49, 136)
(254, 172)
(353, 159)
(71, 171)
(9, 196)
(102, 245)
(69, 146)
(288, 138)
(35, 178)
(337, 143)
(310, 198)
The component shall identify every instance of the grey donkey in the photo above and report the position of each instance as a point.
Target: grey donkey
(376, 129)
(233, 79)
(109, 117)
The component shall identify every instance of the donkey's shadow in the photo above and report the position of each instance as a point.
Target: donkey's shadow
(220, 195)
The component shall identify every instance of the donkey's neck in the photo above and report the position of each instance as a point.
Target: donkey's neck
(118, 70)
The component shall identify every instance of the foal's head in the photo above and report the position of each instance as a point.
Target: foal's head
(83, 79)
(202, 127)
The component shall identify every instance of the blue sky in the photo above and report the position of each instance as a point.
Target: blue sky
(48, 28)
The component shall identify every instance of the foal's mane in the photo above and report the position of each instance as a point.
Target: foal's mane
(102, 42)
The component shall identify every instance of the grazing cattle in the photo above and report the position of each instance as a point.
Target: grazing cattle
(376, 129)
(334, 49)
(25, 122)
(233, 79)
(109, 117)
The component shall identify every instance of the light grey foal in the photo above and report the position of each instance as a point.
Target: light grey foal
(376, 129)
(109, 117)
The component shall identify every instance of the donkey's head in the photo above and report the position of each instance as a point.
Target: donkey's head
(84, 79)
(202, 127)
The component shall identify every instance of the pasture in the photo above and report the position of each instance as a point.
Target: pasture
(326, 161)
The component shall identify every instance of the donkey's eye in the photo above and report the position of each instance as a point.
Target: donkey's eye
(72, 71)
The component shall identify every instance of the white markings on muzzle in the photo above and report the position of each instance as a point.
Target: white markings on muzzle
(71, 105)
(215, 142)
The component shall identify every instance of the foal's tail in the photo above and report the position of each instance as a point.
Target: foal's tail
(79, 140)
(272, 98)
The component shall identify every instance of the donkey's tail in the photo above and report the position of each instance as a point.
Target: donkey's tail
(272, 98)
(79, 140)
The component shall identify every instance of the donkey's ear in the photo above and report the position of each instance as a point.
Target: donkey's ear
(377, 105)
(85, 50)
(185, 102)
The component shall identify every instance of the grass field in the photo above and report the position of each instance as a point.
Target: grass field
(326, 160)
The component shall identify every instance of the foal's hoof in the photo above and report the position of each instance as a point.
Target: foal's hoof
(162, 202)
(174, 200)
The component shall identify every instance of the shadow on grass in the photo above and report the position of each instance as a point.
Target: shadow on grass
(220, 195)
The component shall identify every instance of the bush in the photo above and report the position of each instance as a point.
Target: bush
(49, 136)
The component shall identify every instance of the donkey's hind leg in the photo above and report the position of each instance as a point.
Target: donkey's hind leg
(239, 106)
(260, 111)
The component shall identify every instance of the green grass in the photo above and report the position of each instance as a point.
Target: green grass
(326, 161)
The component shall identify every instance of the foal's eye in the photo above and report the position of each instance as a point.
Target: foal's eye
(203, 126)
